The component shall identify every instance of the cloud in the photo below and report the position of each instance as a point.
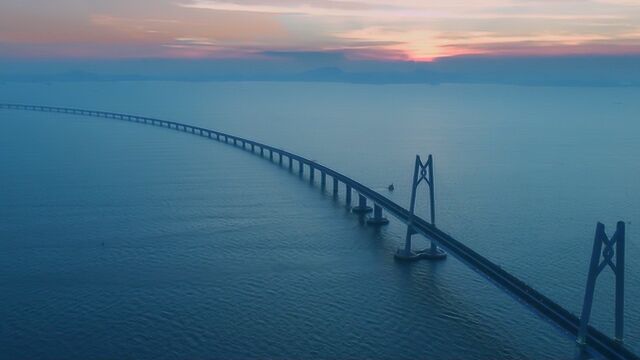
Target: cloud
(407, 29)
(440, 9)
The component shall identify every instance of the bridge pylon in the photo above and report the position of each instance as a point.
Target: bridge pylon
(422, 172)
(596, 266)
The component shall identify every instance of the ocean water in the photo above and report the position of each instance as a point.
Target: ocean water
(119, 240)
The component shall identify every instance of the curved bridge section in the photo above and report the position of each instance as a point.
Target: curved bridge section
(508, 282)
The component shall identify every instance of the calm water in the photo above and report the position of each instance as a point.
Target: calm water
(119, 240)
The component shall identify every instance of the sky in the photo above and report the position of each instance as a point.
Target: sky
(400, 30)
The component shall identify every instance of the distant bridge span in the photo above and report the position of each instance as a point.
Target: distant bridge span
(516, 287)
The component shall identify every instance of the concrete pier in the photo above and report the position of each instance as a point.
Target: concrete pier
(362, 207)
(377, 218)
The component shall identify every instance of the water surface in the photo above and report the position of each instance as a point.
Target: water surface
(118, 239)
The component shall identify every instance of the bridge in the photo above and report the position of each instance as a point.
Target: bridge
(549, 309)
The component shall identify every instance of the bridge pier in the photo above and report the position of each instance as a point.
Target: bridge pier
(280, 160)
(290, 163)
(601, 258)
(312, 172)
(271, 155)
(323, 180)
(261, 151)
(422, 172)
(300, 168)
(348, 196)
(377, 218)
(335, 187)
(362, 207)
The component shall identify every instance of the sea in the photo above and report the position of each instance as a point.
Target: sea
(125, 241)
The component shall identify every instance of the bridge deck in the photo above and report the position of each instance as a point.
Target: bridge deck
(545, 306)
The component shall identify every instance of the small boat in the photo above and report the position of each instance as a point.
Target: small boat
(391, 187)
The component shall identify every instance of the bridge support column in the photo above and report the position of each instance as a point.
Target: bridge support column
(290, 164)
(271, 155)
(300, 168)
(280, 160)
(253, 148)
(335, 187)
(348, 196)
(596, 267)
(312, 172)
(377, 218)
(421, 172)
(362, 207)
(323, 180)
(261, 151)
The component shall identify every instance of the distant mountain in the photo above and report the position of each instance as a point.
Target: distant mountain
(312, 67)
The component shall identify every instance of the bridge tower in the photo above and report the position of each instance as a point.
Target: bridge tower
(595, 268)
(422, 172)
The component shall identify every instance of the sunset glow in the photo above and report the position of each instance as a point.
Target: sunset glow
(403, 29)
